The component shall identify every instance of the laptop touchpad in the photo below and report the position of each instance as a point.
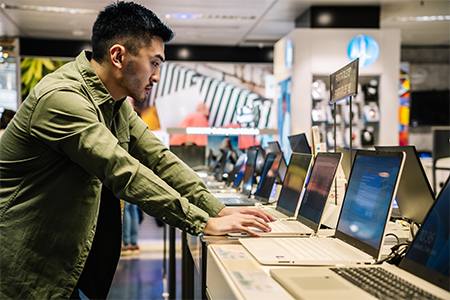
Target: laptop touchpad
(321, 283)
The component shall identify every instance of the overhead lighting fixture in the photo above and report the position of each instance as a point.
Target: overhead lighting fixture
(424, 18)
(186, 16)
(50, 9)
(222, 131)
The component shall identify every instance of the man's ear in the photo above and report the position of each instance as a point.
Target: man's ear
(117, 53)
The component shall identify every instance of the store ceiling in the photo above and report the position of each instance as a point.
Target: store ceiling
(218, 22)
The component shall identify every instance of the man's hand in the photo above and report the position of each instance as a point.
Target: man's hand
(235, 223)
(238, 219)
(246, 210)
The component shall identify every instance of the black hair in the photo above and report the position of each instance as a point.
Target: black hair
(129, 24)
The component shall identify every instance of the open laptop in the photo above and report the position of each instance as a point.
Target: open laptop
(361, 226)
(348, 156)
(299, 143)
(414, 196)
(275, 147)
(424, 269)
(293, 186)
(232, 182)
(242, 198)
(266, 186)
(313, 202)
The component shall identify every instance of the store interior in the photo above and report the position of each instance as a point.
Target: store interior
(263, 67)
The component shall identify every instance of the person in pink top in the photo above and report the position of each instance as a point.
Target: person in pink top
(199, 118)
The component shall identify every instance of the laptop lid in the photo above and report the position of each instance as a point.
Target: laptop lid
(318, 188)
(191, 154)
(249, 172)
(240, 174)
(348, 156)
(268, 177)
(293, 183)
(428, 256)
(231, 177)
(414, 196)
(367, 203)
(260, 158)
(299, 143)
(275, 147)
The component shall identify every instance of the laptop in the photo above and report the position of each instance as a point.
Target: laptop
(299, 143)
(191, 154)
(266, 186)
(425, 267)
(414, 196)
(293, 186)
(275, 147)
(347, 160)
(242, 198)
(232, 180)
(312, 205)
(361, 226)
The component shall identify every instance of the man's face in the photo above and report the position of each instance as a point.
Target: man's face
(142, 70)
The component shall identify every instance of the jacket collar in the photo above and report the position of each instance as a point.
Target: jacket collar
(95, 86)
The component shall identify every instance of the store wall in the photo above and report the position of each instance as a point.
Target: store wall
(323, 51)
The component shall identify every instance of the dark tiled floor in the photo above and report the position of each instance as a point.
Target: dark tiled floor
(140, 276)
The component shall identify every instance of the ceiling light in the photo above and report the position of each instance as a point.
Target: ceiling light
(51, 9)
(185, 16)
(424, 18)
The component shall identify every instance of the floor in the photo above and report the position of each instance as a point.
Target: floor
(140, 276)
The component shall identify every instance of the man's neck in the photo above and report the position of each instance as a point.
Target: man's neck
(108, 79)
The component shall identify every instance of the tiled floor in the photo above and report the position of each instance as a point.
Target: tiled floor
(140, 276)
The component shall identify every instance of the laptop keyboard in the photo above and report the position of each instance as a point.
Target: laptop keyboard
(281, 226)
(382, 284)
(232, 198)
(276, 214)
(309, 248)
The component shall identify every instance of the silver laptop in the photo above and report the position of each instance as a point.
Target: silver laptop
(314, 199)
(361, 225)
(414, 196)
(422, 274)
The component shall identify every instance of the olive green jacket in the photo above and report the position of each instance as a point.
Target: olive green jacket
(67, 140)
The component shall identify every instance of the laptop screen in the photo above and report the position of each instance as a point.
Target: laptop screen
(368, 199)
(240, 163)
(293, 183)
(318, 188)
(428, 256)
(191, 154)
(275, 147)
(299, 143)
(414, 195)
(249, 172)
(240, 174)
(268, 176)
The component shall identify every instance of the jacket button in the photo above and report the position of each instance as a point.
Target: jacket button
(187, 229)
(80, 262)
(163, 218)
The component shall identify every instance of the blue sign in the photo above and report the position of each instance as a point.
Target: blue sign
(364, 47)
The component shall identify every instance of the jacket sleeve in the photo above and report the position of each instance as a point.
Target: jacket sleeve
(72, 127)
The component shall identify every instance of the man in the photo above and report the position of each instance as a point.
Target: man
(75, 147)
